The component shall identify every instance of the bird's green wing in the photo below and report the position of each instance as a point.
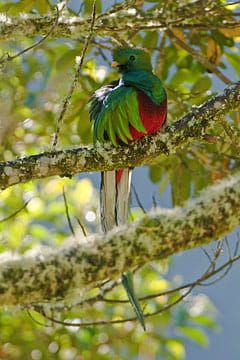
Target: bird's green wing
(118, 111)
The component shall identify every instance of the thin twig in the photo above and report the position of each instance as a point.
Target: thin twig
(155, 204)
(231, 3)
(106, 322)
(237, 246)
(104, 56)
(36, 321)
(206, 254)
(199, 282)
(140, 204)
(218, 278)
(66, 101)
(90, 300)
(67, 212)
(228, 248)
(211, 268)
(81, 226)
(226, 265)
(16, 212)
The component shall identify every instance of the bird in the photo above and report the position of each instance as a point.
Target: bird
(123, 111)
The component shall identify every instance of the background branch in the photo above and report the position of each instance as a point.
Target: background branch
(119, 19)
(20, 53)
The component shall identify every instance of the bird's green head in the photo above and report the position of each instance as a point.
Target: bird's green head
(131, 59)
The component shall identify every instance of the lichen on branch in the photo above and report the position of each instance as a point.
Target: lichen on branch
(121, 18)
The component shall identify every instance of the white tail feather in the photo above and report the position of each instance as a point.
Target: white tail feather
(123, 189)
(108, 200)
(114, 199)
(114, 211)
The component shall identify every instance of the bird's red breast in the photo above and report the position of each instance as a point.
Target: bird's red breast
(153, 117)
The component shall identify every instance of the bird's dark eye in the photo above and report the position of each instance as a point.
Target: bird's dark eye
(132, 58)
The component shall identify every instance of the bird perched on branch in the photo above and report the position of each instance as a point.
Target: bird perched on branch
(124, 111)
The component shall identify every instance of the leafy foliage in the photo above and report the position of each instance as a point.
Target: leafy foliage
(33, 87)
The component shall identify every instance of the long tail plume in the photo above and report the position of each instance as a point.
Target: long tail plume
(115, 188)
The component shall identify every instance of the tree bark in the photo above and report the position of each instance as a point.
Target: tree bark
(192, 127)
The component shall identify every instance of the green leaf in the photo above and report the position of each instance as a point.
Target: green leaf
(221, 39)
(234, 60)
(180, 182)
(42, 6)
(202, 85)
(155, 173)
(164, 183)
(21, 6)
(88, 6)
(184, 61)
(196, 335)
(39, 231)
(206, 321)
(67, 60)
(150, 40)
(176, 348)
(182, 76)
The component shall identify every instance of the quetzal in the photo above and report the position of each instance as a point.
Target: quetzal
(123, 111)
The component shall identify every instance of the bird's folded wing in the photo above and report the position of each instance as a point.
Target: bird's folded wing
(119, 111)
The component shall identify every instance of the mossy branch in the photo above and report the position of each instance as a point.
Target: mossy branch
(119, 19)
(157, 235)
(189, 128)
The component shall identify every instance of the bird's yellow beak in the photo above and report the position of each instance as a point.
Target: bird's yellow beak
(114, 63)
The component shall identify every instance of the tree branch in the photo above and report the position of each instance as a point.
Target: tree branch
(118, 20)
(157, 235)
(105, 157)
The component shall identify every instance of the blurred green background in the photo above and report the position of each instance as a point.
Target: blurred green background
(32, 89)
